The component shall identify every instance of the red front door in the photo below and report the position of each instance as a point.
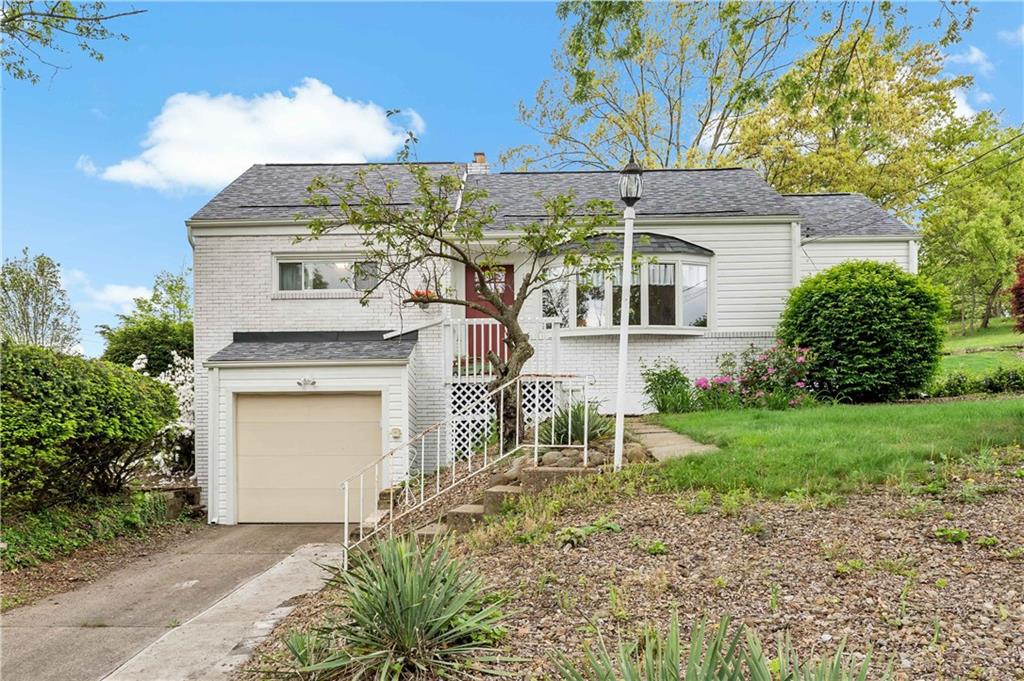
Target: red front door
(484, 338)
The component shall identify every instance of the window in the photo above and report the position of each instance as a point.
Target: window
(326, 275)
(668, 293)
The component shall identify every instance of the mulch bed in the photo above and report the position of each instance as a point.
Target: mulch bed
(26, 586)
(870, 570)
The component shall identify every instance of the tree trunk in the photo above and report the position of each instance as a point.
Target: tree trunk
(508, 401)
(990, 304)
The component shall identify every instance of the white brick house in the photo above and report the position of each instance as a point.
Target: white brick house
(297, 382)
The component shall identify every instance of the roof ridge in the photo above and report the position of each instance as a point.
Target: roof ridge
(367, 163)
(822, 194)
(597, 172)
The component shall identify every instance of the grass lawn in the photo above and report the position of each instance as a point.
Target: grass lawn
(837, 448)
(1000, 333)
(975, 363)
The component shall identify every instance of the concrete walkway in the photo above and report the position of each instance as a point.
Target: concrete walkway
(664, 443)
(200, 594)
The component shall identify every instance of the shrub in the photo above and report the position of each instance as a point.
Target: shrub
(410, 612)
(874, 329)
(775, 378)
(156, 338)
(710, 655)
(1000, 380)
(667, 388)
(566, 425)
(60, 530)
(72, 426)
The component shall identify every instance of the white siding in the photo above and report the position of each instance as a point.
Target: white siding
(817, 256)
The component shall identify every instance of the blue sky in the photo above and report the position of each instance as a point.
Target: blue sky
(78, 186)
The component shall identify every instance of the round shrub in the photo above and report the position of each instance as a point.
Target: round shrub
(157, 339)
(874, 330)
(72, 426)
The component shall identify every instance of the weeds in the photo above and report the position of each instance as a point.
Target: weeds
(952, 535)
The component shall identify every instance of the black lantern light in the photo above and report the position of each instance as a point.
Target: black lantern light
(631, 182)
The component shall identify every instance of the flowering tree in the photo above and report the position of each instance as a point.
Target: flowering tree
(175, 451)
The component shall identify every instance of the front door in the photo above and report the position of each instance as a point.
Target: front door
(483, 338)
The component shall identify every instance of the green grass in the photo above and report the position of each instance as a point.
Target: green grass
(838, 448)
(1000, 333)
(976, 363)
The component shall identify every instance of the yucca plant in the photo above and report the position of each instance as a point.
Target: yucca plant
(566, 425)
(712, 655)
(412, 612)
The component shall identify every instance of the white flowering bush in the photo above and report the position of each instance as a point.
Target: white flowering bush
(175, 452)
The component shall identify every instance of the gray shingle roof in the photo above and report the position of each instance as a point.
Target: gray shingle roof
(828, 215)
(646, 243)
(699, 193)
(277, 191)
(315, 347)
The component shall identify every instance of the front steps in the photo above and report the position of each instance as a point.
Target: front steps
(496, 498)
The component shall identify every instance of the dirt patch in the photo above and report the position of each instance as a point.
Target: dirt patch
(871, 570)
(28, 585)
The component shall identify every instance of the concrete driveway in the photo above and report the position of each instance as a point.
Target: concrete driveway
(84, 635)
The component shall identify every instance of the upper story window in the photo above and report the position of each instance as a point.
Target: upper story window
(666, 293)
(325, 274)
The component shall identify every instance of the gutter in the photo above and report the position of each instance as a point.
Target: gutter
(273, 364)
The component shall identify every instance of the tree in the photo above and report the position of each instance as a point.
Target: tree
(677, 83)
(31, 29)
(973, 225)
(414, 242)
(36, 310)
(1017, 296)
(866, 124)
(159, 327)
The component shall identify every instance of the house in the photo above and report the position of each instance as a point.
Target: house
(299, 385)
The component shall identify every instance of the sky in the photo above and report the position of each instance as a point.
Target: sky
(104, 162)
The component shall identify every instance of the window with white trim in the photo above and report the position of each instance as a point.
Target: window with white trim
(325, 274)
(671, 292)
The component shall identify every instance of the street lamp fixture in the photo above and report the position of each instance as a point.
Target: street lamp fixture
(631, 188)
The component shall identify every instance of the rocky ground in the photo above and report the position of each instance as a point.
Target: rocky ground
(931, 580)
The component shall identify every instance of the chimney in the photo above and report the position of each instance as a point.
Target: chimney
(479, 166)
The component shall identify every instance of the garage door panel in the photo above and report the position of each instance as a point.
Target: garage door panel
(300, 471)
(303, 437)
(331, 408)
(293, 452)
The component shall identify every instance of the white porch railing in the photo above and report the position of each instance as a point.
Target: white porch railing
(414, 473)
(468, 342)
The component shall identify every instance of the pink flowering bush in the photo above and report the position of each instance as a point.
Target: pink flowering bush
(775, 378)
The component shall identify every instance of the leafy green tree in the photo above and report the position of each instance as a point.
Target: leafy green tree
(1017, 296)
(159, 326)
(34, 30)
(35, 309)
(973, 225)
(694, 84)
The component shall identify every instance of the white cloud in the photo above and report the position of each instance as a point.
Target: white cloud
(963, 108)
(984, 98)
(203, 141)
(110, 297)
(1015, 37)
(973, 57)
(85, 165)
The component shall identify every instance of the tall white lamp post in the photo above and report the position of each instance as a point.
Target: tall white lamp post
(631, 188)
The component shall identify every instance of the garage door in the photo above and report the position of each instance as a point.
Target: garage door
(294, 451)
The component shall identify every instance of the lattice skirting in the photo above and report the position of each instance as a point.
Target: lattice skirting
(473, 417)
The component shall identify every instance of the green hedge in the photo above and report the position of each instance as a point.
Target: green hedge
(1001, 380)
(71, 427)
(874, 330)
(154, 338)
(60, 530)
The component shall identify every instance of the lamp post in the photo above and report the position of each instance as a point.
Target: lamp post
(631, 188)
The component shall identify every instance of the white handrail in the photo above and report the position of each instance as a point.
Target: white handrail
(559, 392)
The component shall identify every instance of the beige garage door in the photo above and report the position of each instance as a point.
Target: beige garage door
(294, 451)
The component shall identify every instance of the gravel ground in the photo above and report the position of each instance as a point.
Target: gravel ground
(870, 570)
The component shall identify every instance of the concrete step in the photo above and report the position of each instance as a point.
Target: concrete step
(429, 533)
(369, 524)
(496, 497)
(463, 518)
(537, 479)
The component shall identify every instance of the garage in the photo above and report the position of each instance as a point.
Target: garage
(294, 451)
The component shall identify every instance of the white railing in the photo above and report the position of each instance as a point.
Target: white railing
(468, 343)
(414, 473)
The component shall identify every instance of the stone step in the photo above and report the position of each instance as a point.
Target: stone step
(429, 533)
(463, 518)
(536, 479)
(496, 497)
(369, 524)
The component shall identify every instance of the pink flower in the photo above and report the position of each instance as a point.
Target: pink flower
(771, 370)
(759, 393)
(800, 384)
(801, 359)
(701, 383)
(721, 380)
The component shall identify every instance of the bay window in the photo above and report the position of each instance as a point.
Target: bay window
(668, 293)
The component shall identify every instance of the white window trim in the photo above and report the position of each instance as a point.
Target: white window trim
(315, 294)
(644, 327)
